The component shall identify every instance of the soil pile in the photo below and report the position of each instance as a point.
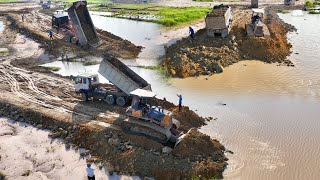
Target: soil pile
(206, 55)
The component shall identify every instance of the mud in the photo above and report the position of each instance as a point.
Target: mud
(38, 23)
(49, 102)
(206, 55)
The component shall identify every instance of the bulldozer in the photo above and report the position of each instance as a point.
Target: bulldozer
(257, 28)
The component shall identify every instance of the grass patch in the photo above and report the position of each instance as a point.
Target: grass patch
(89, 63)
(167, 16)
(283, 11)
(314, 12)
(163, 71)
(10, 1)
(53, 68)
(309, 4)
(170, 16)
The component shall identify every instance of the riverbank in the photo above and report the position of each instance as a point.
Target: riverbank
(206, 56)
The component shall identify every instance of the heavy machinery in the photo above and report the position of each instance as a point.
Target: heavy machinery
(257, 28)
(218, 21)
(289, 2)
(76, 26)
(129, 88)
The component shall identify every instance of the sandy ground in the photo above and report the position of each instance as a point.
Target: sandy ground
(35, 156)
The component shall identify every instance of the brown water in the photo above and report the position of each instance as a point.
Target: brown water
(271, 117)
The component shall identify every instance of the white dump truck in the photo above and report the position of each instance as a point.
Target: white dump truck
(218, 21)
(129, 89)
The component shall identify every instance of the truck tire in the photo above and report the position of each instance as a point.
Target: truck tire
(84, 97)
(121, 101)
(74, 40)
(109, 99)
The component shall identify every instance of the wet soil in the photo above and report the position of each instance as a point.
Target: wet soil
(207, 55)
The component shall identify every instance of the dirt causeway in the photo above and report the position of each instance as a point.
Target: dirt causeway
(205, 55)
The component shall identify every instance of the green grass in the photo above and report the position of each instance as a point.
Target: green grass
(314, 12)
(52, 68)
(162, 70)
(170, 16)
(283, 11)
(309, 4)
(10, 1)
(89, 63)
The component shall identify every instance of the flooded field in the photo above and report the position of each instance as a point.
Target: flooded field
(1, 26)
(266, 114)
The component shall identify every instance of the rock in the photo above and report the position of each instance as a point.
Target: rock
(166, 150)
(129, 147)
(110, 168)
(67, 146)
(39, 126)
(114, 141)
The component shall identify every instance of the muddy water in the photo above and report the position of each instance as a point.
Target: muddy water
(33, 152)
(140, 33)
(267, 114)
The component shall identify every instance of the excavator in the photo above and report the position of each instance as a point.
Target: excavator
(257, 28)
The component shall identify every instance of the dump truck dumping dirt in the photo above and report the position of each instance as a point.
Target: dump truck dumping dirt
(206, 55)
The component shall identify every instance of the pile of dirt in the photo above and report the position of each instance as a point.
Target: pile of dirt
(136, 155)
(206, 55)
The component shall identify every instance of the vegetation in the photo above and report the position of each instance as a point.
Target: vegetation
(309, 4)
(171, 16)
(314, 12)
(283, 11)
(167, 16)
(163, 71)
(89, 63)
(52, 68)
(10, 1)
(89, 1)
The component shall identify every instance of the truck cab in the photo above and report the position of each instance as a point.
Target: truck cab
(85, 82)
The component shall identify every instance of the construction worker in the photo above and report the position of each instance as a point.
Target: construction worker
(163, 103)
(180, 102)
(51, 35)
(191, 32)
(90, 173)
(22, 17)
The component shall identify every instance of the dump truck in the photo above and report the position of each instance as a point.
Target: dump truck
(218, 21)
(132, 90)
(76, 26)
(257, 28)
(289, 2)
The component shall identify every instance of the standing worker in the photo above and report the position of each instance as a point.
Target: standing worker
(191, 32)
(90, 173)
(22, 17)
(180, 102)
(163, 103)
(51, 35)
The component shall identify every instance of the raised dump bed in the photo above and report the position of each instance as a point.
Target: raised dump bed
(82, 24)
(121, 75)
(218, 21)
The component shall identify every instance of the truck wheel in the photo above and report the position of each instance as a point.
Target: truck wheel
(74, 40)
(109, 99)
(84, 97)
(121, 101)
